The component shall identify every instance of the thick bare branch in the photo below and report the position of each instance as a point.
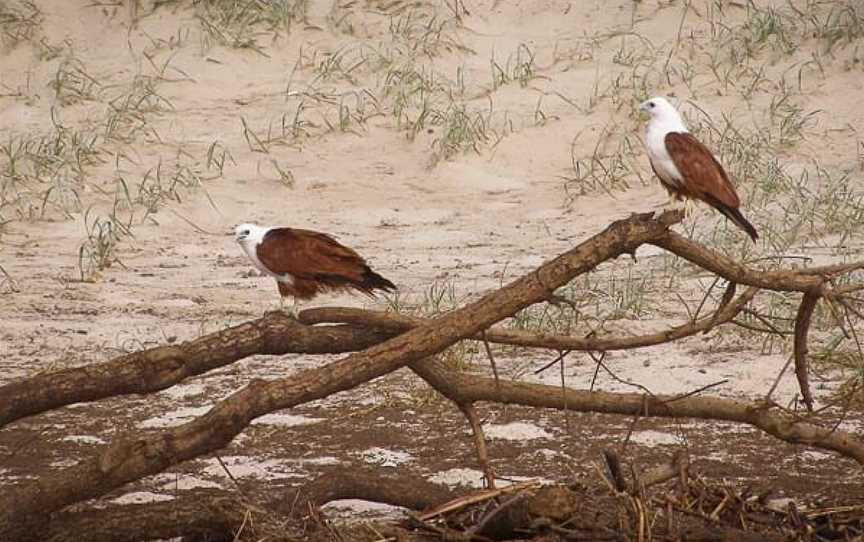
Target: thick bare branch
(771, 420)
(515, 337)
(405, 489)
(152, 370)
(468, 388)
(783, 280)
(832, 270)
(135, 455)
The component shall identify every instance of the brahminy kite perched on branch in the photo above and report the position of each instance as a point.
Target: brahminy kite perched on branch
(685, 167)
(306, 263)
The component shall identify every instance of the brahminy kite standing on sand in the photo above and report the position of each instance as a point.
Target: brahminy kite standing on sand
(685, 167)
(306, 263)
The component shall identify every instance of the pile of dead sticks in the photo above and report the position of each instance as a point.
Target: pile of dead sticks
(687, 508)
(383, 343)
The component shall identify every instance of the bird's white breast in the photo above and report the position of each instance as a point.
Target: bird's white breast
(655, 143)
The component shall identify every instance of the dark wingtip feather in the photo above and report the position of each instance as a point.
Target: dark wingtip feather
(738, 219)
(734, 214)
(374, 281)
(742, 223)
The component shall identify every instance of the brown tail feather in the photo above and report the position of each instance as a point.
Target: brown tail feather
(733, 214)
(373, 281)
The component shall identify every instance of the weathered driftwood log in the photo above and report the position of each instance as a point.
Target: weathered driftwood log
(199, 514)
(215, 514)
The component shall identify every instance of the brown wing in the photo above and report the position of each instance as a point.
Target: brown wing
(310, 255)
(704, 177)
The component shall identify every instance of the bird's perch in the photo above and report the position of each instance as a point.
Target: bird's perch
(386, 343)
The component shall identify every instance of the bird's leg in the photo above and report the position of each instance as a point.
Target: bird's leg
(293, 310)
(290, 310)
(298, 304)
(689, 207)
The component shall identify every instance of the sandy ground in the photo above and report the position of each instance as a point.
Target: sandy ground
(463, 223)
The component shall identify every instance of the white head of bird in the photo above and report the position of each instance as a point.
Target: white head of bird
(664, 116)
(249, 235)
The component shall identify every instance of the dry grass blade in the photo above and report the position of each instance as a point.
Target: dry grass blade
(19, 21)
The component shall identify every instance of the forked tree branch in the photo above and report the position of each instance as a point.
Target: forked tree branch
(767, 417)
(134, 456)
(719, 264)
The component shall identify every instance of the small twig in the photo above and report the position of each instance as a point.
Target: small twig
(632, 427)
(445, 533)
(564, 397)
(479, 442)
(728, 296)
(473, 498)
(683, 509)
(849, 307)
(715, 514)
(614, 472)
(705, 298)
(493, 513)
(600, 357)
(758, 329)
(621, 380)
(231, 476)
(560, 357)
(697, 391)
(771, 327)
(777, 380)
(491, 360)
(802, 326)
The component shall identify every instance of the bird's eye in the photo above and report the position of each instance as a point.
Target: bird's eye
(650, 104)
(244, 232)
